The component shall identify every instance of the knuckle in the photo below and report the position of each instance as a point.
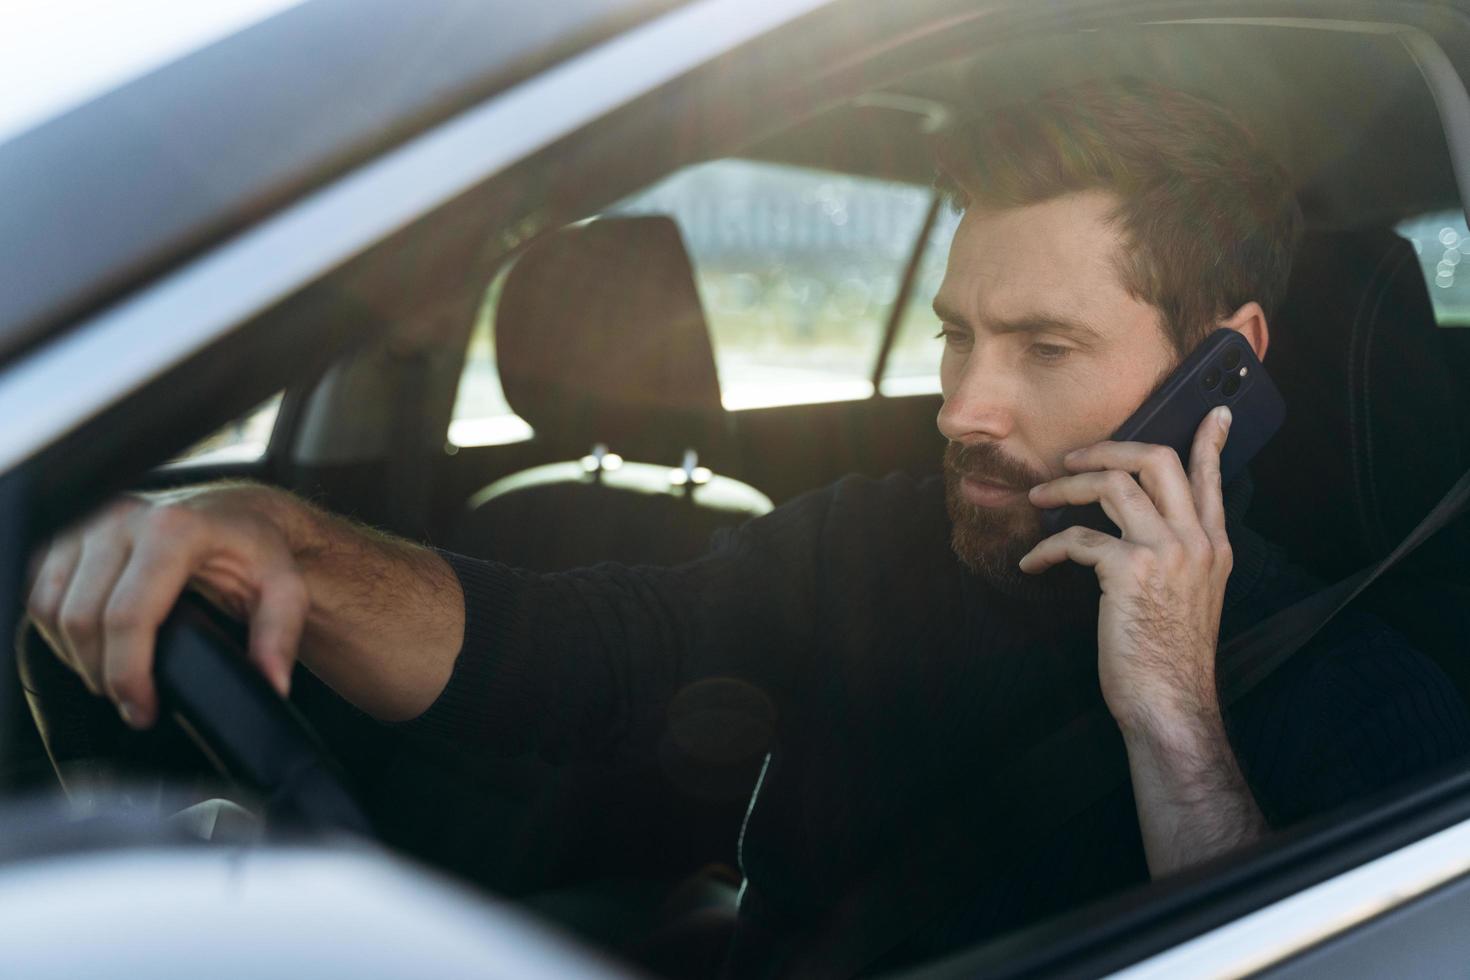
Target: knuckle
(121, 617)
(1161, 458)
(77, 623)
(1197, 542)
(1141, 560)
(170, 521)
(44, 604)
(1123, 485)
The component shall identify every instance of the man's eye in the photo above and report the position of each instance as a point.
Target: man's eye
(1050, 352)
(953, 337)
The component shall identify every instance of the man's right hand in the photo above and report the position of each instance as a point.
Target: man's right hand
(101, 590)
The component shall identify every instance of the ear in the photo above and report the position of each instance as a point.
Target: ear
(1250, 322)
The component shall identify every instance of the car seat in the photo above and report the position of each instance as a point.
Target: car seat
(1375, 433)
(602, 347)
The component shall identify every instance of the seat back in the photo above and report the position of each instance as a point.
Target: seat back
(1375, 433)
(603, 348)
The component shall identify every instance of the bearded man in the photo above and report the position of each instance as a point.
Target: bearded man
(901, 643)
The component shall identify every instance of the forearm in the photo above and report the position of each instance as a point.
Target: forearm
(386, 616)
(1193, 802)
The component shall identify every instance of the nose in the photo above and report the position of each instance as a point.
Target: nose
(979, 400)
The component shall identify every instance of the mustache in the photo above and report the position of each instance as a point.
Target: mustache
(987, 462)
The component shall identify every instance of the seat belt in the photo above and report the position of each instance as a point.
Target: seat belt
(1254, 654)
(1242, 663)
(1090, 751)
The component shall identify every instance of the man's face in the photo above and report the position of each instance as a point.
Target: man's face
(1044, 352)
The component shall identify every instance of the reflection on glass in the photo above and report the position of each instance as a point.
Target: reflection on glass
(1442, 241)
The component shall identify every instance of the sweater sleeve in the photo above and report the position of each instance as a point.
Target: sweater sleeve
(602, 660)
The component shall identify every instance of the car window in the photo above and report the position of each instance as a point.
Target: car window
(242, 441)
(798, 270)
(1442, 242)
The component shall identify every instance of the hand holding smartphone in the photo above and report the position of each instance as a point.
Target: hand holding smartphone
(1222, 370)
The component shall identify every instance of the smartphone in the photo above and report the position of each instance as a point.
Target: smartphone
(1223, 370)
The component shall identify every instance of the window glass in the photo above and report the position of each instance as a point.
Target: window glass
(482, 417)
(1443, 244)
(798, 270)
(242, 441)
(913, 363)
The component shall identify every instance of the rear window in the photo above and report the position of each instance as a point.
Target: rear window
(1442, 242)
(798, 270)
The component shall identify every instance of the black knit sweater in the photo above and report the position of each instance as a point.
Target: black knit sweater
(891, 686)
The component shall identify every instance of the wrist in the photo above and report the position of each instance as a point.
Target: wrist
(299, 525)
(1172, 722)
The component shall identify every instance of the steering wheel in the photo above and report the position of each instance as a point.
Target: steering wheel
(243, 726)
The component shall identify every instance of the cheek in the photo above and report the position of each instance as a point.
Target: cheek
(1079, 408)
(1097, 404)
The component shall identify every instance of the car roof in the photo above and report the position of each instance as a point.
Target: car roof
(107, 197)
(115, 191)
(1345, 111)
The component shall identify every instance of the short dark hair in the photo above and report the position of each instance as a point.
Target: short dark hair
(1209, 218)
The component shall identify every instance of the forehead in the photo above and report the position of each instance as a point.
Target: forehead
(1059, 256)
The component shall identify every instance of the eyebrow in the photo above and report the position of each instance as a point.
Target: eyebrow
(1035, 323)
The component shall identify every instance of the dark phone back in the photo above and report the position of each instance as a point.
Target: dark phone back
(1222, 370)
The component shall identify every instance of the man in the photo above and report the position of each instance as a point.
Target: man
(904, 643)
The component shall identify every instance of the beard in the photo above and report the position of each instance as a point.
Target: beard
(990, 541)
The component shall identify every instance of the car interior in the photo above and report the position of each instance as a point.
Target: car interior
(617, 434)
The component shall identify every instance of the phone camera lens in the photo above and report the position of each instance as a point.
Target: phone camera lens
(1231, 385)
(1232, 359)
(1211, 378)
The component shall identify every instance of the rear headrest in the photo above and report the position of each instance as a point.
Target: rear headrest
(600, 337)
(1374, 431)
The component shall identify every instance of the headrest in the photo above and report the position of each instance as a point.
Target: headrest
(1374, 432)
(600, 337)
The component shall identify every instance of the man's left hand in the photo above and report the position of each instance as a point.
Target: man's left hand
(1163, 581)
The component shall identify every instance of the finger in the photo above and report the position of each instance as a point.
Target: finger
(1084, 545)
(276, 625)
(1122, 499)
(1204, 472)
(53, 575)
(156, 574)
(103, 555)
(1158, 468)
